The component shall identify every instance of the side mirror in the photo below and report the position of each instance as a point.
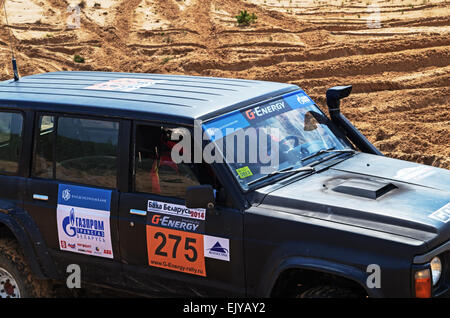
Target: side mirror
(200, 197)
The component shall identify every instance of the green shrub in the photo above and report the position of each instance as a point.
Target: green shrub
(245, 18)
(165, 60)
(78, 59)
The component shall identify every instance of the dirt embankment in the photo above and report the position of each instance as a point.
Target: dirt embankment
(395, 53)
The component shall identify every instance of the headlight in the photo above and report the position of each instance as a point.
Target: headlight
(436, 269)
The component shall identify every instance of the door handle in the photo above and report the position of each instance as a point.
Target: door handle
(40, 197)
(138, 212)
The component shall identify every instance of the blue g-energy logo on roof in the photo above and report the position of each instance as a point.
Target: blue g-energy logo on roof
(245, 118)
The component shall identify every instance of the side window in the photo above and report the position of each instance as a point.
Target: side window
(10, 141)
(45, 140)
(155, 172)
(77, 150)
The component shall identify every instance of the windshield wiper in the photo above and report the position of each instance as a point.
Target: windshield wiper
(330, 150)
(285, 170)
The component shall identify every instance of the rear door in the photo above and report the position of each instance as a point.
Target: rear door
(11, 144)
(72, 193)
(169, 249)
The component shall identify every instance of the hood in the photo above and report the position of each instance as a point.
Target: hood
(374, 192)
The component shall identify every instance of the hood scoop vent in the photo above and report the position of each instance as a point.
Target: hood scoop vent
(364, 188)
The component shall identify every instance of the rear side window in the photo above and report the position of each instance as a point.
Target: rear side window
(10, 141)
(43, 162)
(77, 150)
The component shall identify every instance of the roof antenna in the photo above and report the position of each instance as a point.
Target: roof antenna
(14, 62)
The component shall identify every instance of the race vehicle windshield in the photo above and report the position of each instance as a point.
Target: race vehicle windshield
(268, 140)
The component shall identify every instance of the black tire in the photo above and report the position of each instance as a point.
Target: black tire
(327, 292)
(17, 278)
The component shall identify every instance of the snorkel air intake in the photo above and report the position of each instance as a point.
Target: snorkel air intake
(334, 96)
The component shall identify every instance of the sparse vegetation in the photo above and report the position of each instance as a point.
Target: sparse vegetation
(78, 59)
(166, 59)
(168, 40)
(244, 18)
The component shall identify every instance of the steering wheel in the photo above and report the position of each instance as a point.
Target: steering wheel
(311, 147)
(288, 153)
(291, 137)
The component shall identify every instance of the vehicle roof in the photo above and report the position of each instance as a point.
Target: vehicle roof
(169, 97)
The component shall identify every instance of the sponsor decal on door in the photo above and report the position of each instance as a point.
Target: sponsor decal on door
(83, 218)
(175, 210)
(217, 247)
(175, 250)
(176, 240)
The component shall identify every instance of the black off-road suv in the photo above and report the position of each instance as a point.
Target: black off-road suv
(112, 172)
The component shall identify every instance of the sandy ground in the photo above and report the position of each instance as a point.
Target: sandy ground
(395, 53)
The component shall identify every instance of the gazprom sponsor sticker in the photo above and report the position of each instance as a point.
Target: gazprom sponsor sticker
(83, 220)
(443, 214)
(175, 210)
(216, 247)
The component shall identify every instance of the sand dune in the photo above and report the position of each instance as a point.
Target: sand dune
(394, 53)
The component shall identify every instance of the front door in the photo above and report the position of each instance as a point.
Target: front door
(169, 249)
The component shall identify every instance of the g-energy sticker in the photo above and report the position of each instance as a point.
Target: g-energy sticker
(176, 210)
(176, 222)
(242, 119)
(263, 112)
(83, 219)
(443, 214)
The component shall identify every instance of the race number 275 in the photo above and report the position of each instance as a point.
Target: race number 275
(175, 250)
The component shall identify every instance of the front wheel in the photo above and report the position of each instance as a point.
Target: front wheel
(327, 292)
(16, 279)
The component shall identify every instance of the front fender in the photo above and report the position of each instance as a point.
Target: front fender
(348, 272)
(30, 239)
